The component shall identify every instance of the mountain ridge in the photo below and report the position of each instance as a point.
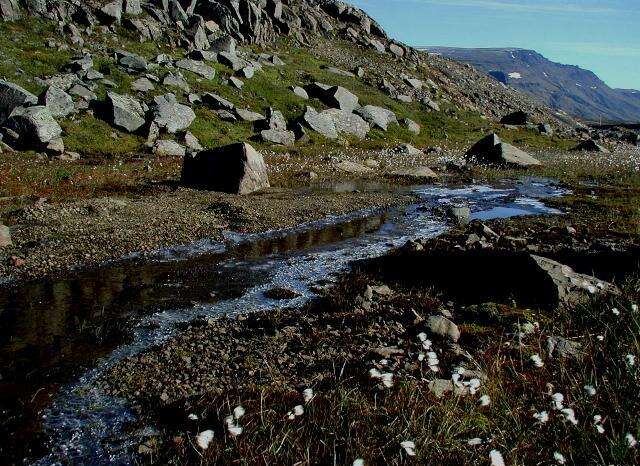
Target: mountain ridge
(570, 88)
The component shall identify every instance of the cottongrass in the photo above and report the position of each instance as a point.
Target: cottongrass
(496, 458)
(570, 416)
(631, 359)
(192, 417)
(233, 427)
(615, 311)
(238, 412)
(558, 401)
(631, 441)
(537, 360)
(358, 462)
(386, 378)
(597, 422)
(559, 458)
(409, 447)
(485, 400)
(590, 390)
(474, 442)
(542, 417)
(204, 438)
(307, 395)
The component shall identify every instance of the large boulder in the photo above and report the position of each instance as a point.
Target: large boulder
(125, 112)
(216, 102)
(13, 96)
(235, 169)
(413, 174)
(224, 44)
(490, 150)
(132, 61)
(377, 117)
(278, 136)
(171, 114)
(168, 148)
(112, 12)
(321, 123)
(59, 103)
(132, 7)
(348, 123)
(35, 127)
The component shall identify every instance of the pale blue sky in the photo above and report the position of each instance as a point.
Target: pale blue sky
(600, 35)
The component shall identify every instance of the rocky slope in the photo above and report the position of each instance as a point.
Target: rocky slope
(577, 91)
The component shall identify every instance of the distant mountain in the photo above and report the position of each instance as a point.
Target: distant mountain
(570, 88)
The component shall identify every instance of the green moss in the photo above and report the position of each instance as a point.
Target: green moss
(91, 136)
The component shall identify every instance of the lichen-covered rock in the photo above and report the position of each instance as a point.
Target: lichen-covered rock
(13, 96)
(125, 112)
(171, 114)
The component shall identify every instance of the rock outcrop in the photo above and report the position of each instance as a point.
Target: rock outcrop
(490, 150)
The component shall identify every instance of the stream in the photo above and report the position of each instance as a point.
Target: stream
(57, 336)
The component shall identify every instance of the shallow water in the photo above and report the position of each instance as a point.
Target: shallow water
(50, 331)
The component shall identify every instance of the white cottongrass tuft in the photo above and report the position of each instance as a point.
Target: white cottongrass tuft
(307, 395)
(559, 457)
(409, 447)
(386, 378)
(631, 441)
(474, 385)
(542, 417)
(615, 311)
(375, 373)
(421, 357)
(232, 427)
(192, 417)
(597, 422)
(433, 361)
(590, 390)
(427, 345)
(600, 337)
(298, 410)
(496, 458)
(474, 442)
(537, 360)
(485, 400)
(238, 412)
(570, 416)
(358, 462)
(204, 438)
(558, 400)
(631, 359)
(634, 307)
(422, 336)
(234, 430)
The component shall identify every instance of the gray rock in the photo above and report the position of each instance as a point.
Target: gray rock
(83, 92)
(142, 85)
(168, 148)
(225, 115)
(490, 150)
(112, 12)
(414, 83)
(248, 115)
(396, 50)
(59, 103)
(125, 112)
(340, 72)
(175, 80)
(441, 387)
(198, 67)
(408, 149)
(5, 236)
(545, 128)
(518, 118)
(275, 120)
(84, 63)
(404, 98)
(443, 327)
(568, 286)
(317, 90)
(9, 10)
(171, 114)
(459, 213)
(430, 104)
(35, 126)
(236, 169)
(224, 44)
(235, 82)
(192, 142)
(13, 96)
(377, 116)
(348, 123)
(231, 60)
(564, 348)
(353, 168)
(340, 98)
(93, 75)
(278, 136)
(216, 102)
(300, 92)
(320, 123)
(247, 72)
(132, 7)
(411, 125)
(132, 61)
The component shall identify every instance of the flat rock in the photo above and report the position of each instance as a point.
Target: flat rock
(198, 67)
(248, 115)
(414, 174)
(353, 167)
(236, 169)
(216, 102)
(408, 149)
(168, 148)
(377, 116)
(278, 136)
(411, 125)
(441, 387)
(171, 114)
(490, 150)
(132, 61)
(231, 60)
(142, 85)
(175, 80)
(340, 98)
(125, 112)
